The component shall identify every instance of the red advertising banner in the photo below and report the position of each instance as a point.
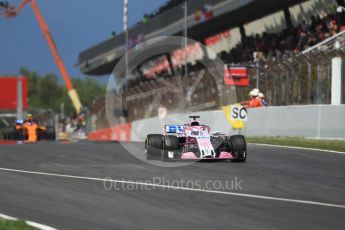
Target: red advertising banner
(237, 76)
(8, 92)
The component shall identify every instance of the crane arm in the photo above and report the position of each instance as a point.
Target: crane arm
(12, 12)
(21, 6)
(71, 91)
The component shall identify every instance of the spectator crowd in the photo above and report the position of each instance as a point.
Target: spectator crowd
(73, 127)
(288, 42)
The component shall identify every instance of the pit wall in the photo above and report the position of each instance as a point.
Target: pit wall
(309, 121)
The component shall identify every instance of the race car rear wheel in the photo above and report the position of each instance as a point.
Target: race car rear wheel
(50, 133)
(153, 146)
(238, 148)
(40, 134)
(170, 144)
(10, 133)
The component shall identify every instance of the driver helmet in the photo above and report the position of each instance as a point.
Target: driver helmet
(28, 118)
(195, 132)
(194, 123)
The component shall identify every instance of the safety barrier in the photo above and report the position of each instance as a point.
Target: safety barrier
(309, 121)
(118, 133)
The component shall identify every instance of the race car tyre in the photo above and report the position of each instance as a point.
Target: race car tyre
(50, 133)
(11, 134)
(153, 146)
(41, 135)
(170, 144)
(238, 147)
(4, 134)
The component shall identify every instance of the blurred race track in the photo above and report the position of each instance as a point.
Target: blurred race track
(79, 203)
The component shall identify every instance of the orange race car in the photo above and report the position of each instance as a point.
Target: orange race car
(29, 130)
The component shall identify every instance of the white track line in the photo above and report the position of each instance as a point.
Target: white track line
(178, 188)
(302, 148)
(30, 223)
(3, 216)
(39, 226)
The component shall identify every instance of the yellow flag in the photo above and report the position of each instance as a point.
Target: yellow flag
(236, 116)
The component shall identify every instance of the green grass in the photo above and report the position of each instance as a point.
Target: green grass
(336, 145)
(14, 225)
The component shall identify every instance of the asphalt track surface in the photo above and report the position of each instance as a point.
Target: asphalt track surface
(77, 203)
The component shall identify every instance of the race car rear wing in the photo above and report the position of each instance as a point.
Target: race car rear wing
(178, 129)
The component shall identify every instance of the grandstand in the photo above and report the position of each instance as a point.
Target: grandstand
(269, 16)
(277, 32)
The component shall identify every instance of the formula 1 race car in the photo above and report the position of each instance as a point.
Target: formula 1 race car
(194, 142)
(20, 133)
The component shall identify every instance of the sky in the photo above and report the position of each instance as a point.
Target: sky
(75, 26)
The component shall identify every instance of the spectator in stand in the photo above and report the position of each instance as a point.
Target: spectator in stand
(290, 41)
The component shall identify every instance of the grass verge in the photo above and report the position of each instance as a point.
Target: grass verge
(14, 225)
(335, 145)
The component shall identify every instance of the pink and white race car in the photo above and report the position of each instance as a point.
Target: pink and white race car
(194, 142)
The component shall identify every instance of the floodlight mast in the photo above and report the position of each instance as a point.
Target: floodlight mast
(11, 12)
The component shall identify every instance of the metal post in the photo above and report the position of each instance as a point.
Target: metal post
(125, 28)
(336, 81)
(185, 34)
(19, 99)
(287, 87)
(318, 85)
(56, 126)
(257, 73)
(309, 84)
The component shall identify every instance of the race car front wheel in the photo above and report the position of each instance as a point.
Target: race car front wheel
(153, 146)
(238, 148)
(171, 145)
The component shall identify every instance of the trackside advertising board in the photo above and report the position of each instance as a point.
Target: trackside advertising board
(237, 76)
(8, 92)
